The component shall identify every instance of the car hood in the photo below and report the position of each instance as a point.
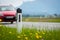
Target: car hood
(8, 13)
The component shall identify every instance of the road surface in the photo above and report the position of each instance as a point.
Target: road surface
(38, 25)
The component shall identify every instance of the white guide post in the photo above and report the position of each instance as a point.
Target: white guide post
(19, 20)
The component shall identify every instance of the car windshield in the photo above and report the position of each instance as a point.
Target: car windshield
(6, 8)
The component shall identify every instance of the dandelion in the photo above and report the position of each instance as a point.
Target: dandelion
(18, 37)
(43, 33)
(37, 36)
(30, 33)
(10, 32)
(0, 25)
(26, 38)
(24, 35)
(40, 36)
(36, 33)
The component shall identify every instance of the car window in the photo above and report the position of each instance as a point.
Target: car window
(6, 8)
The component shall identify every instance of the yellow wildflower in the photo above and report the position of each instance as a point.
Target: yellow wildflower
(26, 38)
(37, 36)
(24, 35)
(40, 36)
(36, 33)
(0, 25)
(10, 32)
(18, 37)
(30, 33)
(43, 33)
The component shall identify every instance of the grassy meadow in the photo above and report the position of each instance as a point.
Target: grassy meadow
(32, 19)
(7, 33)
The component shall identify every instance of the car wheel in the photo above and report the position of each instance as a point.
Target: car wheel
(11, 22)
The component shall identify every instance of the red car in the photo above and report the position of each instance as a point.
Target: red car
(7, 13)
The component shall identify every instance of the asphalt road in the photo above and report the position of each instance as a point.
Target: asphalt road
(38, 25)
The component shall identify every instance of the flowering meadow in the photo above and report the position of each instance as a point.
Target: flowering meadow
(7, 33)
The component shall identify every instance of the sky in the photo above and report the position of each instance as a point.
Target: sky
(15, 3)
(35, 6)
(41, 7)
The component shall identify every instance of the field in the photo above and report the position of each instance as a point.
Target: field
(32, 19)
(28, 34)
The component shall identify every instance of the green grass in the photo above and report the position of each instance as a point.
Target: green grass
(28, 19)
(7, 33)
(28, 34)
